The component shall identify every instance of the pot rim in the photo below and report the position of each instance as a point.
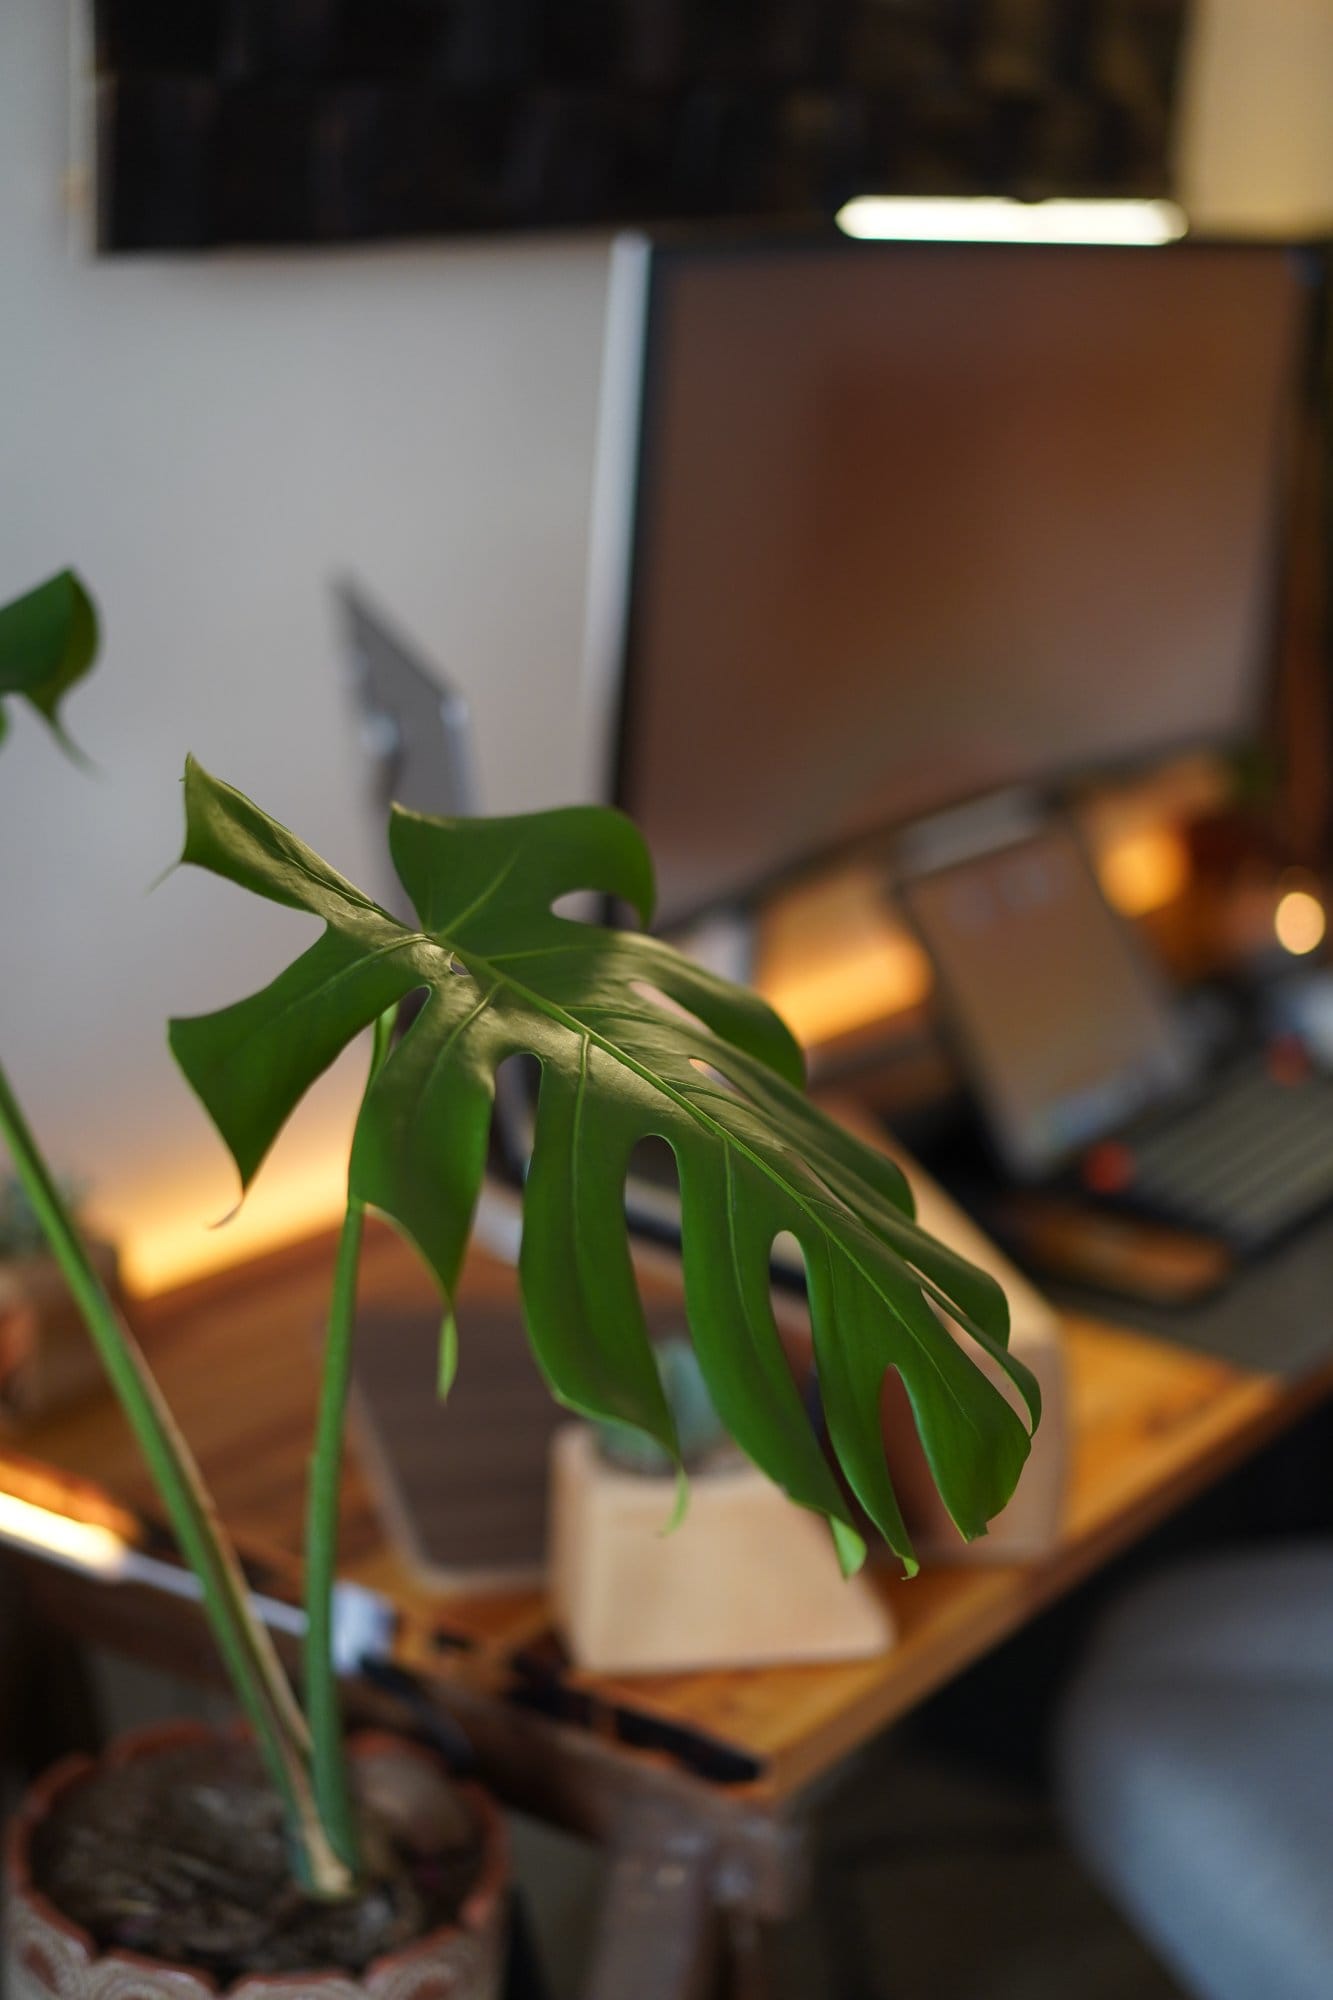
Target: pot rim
(477, 1910)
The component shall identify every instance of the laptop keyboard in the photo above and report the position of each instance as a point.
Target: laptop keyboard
(1248, 1162)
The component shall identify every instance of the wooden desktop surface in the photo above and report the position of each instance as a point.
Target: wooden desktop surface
(1153, 1424)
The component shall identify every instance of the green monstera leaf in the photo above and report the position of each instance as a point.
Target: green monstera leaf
(48, 642)
(633, 1041)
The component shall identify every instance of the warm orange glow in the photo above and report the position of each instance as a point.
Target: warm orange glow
(1134, 831)
(175, 1243)
(1299, 922)
(833, 959)
(852, 989)
(86, 1545)
(1143, 870)
(47, 1491)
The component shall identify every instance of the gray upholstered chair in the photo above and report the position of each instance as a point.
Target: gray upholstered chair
(1195, 1769)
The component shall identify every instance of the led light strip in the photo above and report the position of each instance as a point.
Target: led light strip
(1000, 219)
(363, 1621)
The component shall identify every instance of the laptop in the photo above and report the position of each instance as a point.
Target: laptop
(1087, 1075)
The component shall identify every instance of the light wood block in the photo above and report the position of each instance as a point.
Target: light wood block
(747, 1580)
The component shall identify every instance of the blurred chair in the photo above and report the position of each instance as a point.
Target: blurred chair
(1195, 1770)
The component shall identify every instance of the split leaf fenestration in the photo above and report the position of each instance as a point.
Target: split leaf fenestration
(48, 642)
(634, 1041)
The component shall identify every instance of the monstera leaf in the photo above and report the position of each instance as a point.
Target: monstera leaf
(48, 642)
(633, 1041)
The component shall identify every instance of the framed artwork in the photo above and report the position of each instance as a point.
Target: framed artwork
(231, 122)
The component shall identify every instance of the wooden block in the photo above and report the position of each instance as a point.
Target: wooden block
(747, 1580)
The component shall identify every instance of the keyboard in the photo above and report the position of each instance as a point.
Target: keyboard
(1248, 1160)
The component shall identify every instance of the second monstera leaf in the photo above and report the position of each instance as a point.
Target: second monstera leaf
(634, 1041)
(48, 642)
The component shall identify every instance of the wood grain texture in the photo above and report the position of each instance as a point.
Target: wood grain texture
(237, 1355)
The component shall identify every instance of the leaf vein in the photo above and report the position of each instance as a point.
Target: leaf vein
(484, 896)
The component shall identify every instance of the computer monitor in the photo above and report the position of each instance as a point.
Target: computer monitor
(880, 528)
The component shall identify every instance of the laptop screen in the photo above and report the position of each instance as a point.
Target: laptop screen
(1066, 1033)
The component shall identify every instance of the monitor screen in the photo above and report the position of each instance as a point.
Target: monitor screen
(882, 528)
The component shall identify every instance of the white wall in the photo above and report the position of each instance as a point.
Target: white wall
(1255, 138)
(208, 440)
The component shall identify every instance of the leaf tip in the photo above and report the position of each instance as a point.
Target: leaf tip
(190, 777)
(193, 777)
(77, 756)
(447, 1367)
(162, 875)
(850, 1546)
(680, 1506)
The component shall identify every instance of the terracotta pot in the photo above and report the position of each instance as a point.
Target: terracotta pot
(45, 1955)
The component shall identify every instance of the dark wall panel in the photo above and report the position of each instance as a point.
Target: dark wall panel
(303, 121)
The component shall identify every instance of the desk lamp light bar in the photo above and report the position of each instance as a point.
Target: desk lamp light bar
(363, 1623)
(1001, 219)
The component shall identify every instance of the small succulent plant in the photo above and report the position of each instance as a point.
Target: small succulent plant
(704, 1441)
(21, 1233)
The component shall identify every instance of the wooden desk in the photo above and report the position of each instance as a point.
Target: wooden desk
(706, 1768)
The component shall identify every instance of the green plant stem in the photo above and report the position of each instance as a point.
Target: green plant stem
(253, 1666)
(323, 1706)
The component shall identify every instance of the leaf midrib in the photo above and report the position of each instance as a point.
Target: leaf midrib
(581, 1030)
